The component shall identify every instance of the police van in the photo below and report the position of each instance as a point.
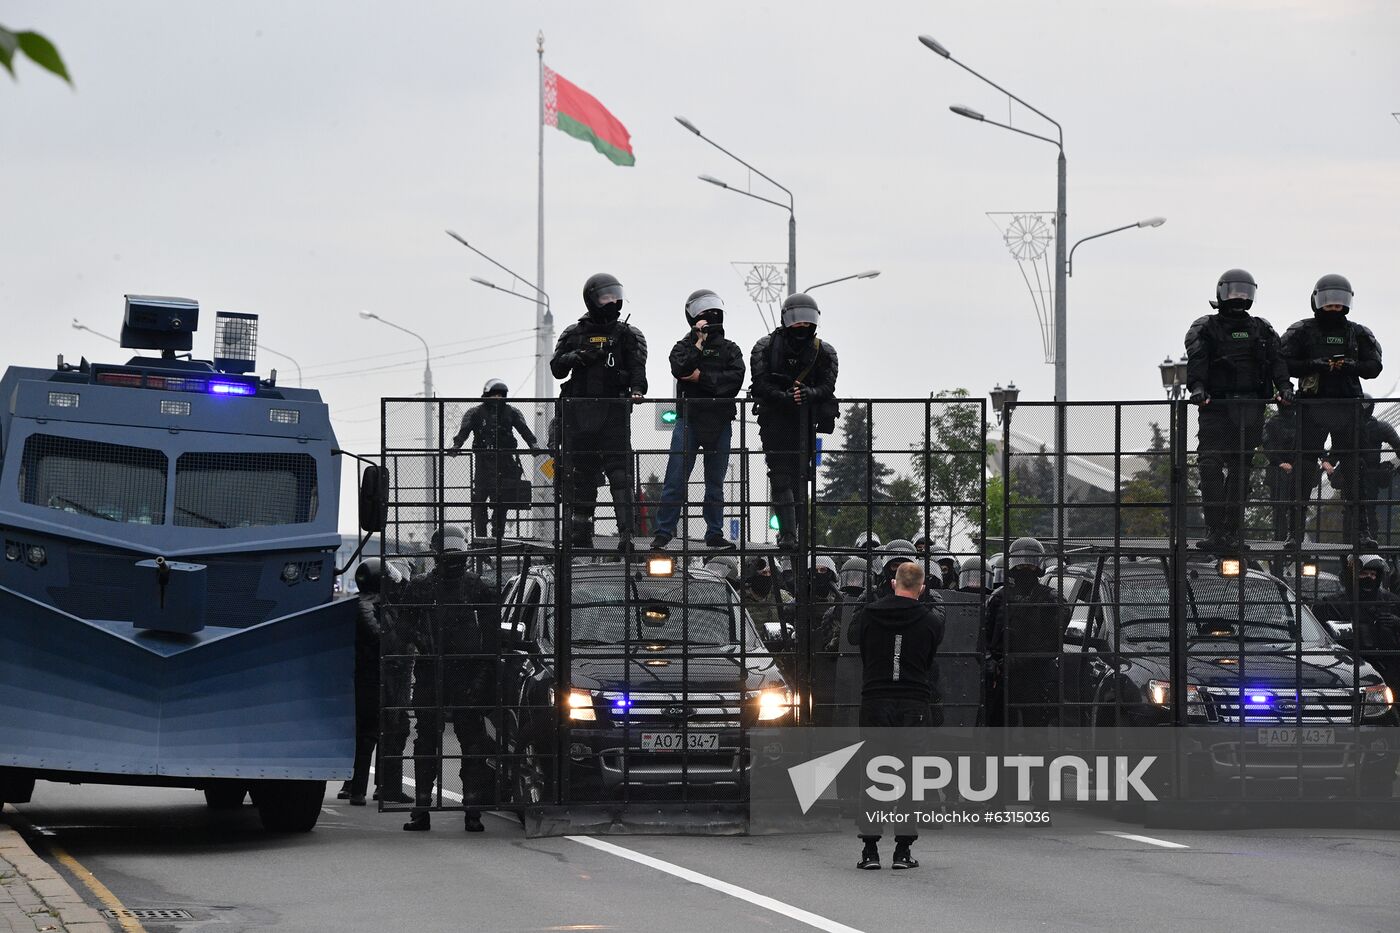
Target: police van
(167, 610)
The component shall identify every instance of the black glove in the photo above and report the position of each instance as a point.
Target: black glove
(800, 394)
(1199, 397)
(1320, 365)
(1285, 395)
(1344, 366)
(590, 356)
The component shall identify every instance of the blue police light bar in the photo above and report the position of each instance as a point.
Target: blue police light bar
(217, 387)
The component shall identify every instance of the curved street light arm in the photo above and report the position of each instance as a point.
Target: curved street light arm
(530, 298)
(768, 178)
(845, 278)
(1069, 263)
(984, 78)
(493, 262)
(759, 197)
(267, 349)
(1008, 126)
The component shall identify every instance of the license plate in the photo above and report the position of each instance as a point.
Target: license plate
(676, 741)
(1296, 735)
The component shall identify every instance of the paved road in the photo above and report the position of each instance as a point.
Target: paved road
(359, 871)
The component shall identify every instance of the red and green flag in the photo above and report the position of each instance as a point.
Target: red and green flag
(578, 113)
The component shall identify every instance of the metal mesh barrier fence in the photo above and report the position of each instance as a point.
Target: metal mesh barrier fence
(534, 661)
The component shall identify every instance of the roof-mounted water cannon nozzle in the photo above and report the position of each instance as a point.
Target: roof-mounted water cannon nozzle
(154, 322)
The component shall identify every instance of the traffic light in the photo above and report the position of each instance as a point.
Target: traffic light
(666, 415)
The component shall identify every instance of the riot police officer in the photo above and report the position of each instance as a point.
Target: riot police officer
(709, 371)
(1028, 622)
(454, 677)
(372, 622)
(1376, 474)
(890, 556)
(1233, 367)
(1330, 354)
(1374, 614)
(605, 362)
(794, 383)
(492, 426)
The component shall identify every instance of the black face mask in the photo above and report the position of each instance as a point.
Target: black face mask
(1369, 585)
(800, 337)
(761, 585)
(824, 582)
(1024, 577)
(607, 315)
(1236, 306)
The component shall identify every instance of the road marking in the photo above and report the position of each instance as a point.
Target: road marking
(1147, 839)
(714, 884)
(99, 890)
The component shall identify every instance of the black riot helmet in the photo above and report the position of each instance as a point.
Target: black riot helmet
(899, 551)
(1373, 564)
(801, 308)
(602, 296)
(1234, 291)
(373, 573)
(867, 539)
(495, 387)
(1332, 289)
(704, 303)
(974, 576)
(1368, 404)
(449, 538)
(1026, 552)
(853, 575)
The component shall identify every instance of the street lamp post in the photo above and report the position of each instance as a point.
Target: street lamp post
(1173, 377)
(544, 332)
(1149, 222)
(1061, 226)
(1004, 398)
(789, 206)
(868, 274)
(428, 438)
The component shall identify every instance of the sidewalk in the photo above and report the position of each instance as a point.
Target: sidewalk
(34, 898)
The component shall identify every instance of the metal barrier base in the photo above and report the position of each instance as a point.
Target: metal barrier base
(637, 818)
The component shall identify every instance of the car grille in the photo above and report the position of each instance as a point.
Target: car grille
(1335, 706)
(674, 710)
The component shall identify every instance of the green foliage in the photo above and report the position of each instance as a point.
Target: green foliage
(952, 466)
(853, 478)
(33, 46)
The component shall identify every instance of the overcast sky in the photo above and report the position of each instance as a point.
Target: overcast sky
(301, 160)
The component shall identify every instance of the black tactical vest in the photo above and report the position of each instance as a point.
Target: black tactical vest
(1238, 363)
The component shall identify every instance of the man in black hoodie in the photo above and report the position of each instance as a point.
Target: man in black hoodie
(1233, 368)
(709, 371)
(898, 637)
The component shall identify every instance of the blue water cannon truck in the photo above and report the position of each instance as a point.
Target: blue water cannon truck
(167, 605)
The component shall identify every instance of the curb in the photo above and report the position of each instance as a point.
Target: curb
(35, 898)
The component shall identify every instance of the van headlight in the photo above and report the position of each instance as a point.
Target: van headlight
(1159, 693)
(774, 704)
(1377, 700)
(580, 704)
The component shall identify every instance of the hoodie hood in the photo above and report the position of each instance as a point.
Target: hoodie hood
(895, 612)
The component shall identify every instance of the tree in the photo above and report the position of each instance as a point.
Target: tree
(950, 469)
(854, 478)
(1149, 486)
(33, 46)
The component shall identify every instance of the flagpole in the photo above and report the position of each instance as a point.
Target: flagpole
(544, 320)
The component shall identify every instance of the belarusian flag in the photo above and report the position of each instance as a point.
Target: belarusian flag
(578, 113)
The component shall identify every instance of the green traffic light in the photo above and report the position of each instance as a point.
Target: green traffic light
(773, 522)
(668, 416)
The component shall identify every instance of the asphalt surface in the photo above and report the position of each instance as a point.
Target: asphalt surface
(160, 848)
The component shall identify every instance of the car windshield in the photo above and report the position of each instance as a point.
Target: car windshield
(657, 611)
(112, 482)
(222, 490)
(1214, 611)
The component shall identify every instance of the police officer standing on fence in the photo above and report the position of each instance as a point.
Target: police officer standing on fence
(1330, 355)
(605, 362)
(709, 371)
(794, 383)
(492, 426)
(1028, 622)
(1233, 368)
(454, 677)
(898, 636)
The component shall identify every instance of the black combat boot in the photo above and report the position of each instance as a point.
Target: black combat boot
(903, 858)
(869, 857)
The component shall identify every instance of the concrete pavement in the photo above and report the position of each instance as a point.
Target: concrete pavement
(359, 871)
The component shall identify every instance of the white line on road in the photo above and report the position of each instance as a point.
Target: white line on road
(1147, 839)
(724, 887)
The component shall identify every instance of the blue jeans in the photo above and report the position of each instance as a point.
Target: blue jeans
(684, 448)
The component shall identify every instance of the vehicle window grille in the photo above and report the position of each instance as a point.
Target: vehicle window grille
(112, 482)
(224, 490)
